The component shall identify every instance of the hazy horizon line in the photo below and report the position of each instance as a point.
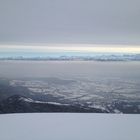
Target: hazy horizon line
(77, 48)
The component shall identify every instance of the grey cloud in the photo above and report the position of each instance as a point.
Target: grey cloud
(70, 21)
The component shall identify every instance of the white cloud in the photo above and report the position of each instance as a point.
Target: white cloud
(87, 48)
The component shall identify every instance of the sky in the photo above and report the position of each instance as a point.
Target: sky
(77, 48)
(70, 21)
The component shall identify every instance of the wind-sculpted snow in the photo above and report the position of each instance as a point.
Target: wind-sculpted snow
(69, 126)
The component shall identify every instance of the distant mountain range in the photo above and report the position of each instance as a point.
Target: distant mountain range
(95, 57)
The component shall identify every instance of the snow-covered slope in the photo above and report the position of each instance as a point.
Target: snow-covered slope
(69, 126)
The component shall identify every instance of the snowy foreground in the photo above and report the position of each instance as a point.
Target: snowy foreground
(66, 126)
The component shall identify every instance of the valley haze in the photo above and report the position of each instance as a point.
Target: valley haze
(69, 86)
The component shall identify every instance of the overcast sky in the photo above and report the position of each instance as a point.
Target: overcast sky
(70, 21)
